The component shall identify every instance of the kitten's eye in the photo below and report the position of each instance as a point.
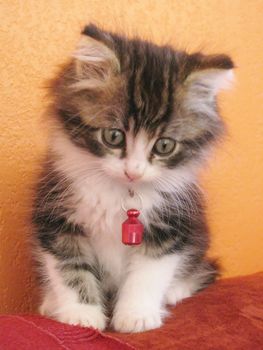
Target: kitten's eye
(164, 146)
(113, 138)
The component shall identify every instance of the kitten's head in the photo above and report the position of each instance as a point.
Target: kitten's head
(144, 113)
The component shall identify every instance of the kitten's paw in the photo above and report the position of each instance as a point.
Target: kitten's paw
(82, 315)
(178, 291)
(130, 321)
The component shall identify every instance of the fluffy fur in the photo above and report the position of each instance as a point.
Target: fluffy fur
(147, 92)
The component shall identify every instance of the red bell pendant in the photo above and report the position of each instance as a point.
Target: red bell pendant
(132, 228)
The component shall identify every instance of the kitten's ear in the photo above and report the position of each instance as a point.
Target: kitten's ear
(207, 75)
(94, 59)
(203, 77)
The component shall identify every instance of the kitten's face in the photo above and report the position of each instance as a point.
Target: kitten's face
(144, 112)
(134, 157)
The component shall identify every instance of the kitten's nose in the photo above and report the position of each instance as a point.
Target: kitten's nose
(132, 176)
(134, 170)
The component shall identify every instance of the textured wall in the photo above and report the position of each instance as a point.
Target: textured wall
(36, 36)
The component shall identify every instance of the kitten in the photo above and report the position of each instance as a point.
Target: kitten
(128, 116)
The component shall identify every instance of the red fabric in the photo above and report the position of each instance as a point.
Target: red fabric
(225, 316)
(39, 333)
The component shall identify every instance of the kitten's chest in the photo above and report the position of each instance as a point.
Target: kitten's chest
(99, 210)
(101, 215)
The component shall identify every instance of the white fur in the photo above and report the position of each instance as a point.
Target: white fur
(61, 302)
(140, 300)
(98, 201)
(100, 185)
(98, 194)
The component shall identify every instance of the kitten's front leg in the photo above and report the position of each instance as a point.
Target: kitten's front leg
(73, 294)
(140, 301)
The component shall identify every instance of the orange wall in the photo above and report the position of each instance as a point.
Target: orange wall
(35, 36)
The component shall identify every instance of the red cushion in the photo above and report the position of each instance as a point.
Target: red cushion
(227, 315)
(39, 333)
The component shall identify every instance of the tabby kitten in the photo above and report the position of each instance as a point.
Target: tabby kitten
(130, 117)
